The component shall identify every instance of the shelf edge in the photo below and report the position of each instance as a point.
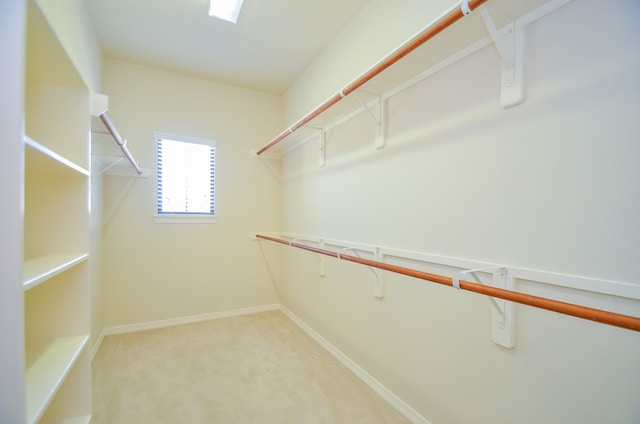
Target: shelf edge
(64, 353)
(28, 141)
(58, 264)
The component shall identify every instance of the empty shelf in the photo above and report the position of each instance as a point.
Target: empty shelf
(41, 269)
(47, 371)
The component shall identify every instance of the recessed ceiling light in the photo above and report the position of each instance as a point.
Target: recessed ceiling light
(227, 10)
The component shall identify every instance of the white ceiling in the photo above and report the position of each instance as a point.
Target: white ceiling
(271, 45)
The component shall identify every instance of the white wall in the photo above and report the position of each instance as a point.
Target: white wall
(160, 271)
(12, 50)
(551, 184)
(380, 27)
(70, 20)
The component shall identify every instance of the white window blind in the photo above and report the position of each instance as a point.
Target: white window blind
(186, 176)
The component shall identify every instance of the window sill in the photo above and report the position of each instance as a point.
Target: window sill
(185, 219)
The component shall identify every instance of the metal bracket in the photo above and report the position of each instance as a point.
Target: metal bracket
(380, 118)
(509, 42)
(378, 283)
(322, 161)
(322, 135)
(322, 270)
(503, 312)
(503, 329)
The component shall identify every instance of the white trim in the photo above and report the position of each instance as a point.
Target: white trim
(151, 325)
(410, 413)
(600, 286)
(159, 135)
(185, 218)
(540, 12)
(131, 328)
(97, 344)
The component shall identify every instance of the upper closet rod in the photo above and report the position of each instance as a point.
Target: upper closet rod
(121, 142)
(598, 315)
(446, 21)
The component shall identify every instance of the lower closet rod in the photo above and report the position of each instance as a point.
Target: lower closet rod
(584, 312)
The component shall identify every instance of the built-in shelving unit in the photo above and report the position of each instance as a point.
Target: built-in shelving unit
(56, 230)
(48, 370)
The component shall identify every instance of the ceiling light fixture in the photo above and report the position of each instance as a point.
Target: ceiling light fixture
(227, 10)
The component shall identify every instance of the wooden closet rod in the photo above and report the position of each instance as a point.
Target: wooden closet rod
(120, 141)
(598, 315)
(445, 22)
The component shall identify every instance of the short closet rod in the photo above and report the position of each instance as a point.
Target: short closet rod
(445, 22)
(120, 141)
(584, 312)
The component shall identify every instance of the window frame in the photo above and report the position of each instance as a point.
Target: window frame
(184, 218)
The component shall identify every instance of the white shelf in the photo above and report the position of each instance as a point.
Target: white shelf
(418, 64)
(39, 270)
(47, 370)
(43, 159)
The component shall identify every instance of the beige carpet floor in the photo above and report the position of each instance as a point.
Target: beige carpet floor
(258, 368)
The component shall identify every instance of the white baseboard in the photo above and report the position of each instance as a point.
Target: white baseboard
(96, 345)
(151, 325)
(410, 413)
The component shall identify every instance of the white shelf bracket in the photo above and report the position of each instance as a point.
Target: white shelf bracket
(323, 148)
(378, 285)
(503, 329)
(509, 42)
(322, 268)
(381, 134)
(379, 117)
(110, 165)
(321, 258)
(377, 256)
(322, 135)
(503, 312)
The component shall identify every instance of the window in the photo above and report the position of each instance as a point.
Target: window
(186, 178)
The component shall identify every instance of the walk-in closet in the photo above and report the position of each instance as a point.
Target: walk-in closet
(360, 211)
